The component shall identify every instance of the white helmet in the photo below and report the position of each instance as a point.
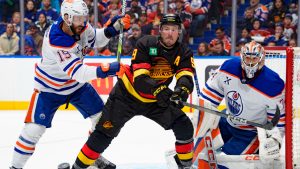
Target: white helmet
(71, 8)
(253, 58)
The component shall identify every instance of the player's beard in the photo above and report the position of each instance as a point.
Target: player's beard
(77, 30)
(169, 41)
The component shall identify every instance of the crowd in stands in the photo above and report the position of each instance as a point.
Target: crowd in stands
(206, 23)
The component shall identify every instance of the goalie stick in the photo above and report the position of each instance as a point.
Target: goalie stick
(267, 126)
(119, 51)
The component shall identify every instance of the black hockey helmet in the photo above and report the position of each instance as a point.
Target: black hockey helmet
(171, 18)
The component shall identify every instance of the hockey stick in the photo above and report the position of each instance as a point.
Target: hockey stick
(267, 126)
(120, 43)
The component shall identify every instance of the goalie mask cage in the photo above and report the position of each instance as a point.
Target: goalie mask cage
(288, 59)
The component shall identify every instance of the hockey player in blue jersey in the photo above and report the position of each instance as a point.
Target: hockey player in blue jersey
(61, 77)
(251, 91)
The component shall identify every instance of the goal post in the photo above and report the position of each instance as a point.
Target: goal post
(287, 65)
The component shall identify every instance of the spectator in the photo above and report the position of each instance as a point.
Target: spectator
(247, 20)
(278, 37)
(289, 28)
(186, 18)
(292, 43)
(219, 49)
(136, 34)
(293, 10)
(37, 37)
(271, 43)
(146, 26)
(277, 13)
(9, 41)
(135, 8)
(199, 10)
(51, 13)
(42, 23)
(257, 30)
(220, 36)
(112, 10)
(155, 17)
(240, 44)
(260, 11)
(202, 49)
(215, 11)
(7, 8)
(16, 21)
(245, 34)
(127, 48)
(30, 12)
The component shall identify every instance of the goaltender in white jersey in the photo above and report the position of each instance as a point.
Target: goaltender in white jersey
(251, 91)
(61, 77)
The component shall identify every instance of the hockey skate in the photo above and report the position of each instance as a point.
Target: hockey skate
(180, 165)
(100, 163)
(103, 163)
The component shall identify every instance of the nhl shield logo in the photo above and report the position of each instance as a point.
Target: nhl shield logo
(234, 102)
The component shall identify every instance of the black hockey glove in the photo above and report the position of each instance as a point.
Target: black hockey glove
(180, 94)
(163, 94)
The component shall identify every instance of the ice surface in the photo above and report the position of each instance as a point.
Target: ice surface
(141, 144)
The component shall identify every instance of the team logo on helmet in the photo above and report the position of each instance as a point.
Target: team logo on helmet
(234, 102)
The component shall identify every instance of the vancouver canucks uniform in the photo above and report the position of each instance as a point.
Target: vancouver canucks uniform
(152, 65)
(253, 99)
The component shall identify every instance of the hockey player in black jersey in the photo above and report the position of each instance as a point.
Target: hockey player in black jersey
(143, 90)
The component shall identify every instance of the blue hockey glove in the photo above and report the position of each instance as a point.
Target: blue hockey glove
(105, 70)
(113, 26)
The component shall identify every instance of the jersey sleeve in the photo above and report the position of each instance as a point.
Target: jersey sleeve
(185, 71)
(100, 39)
(213, 90)
(141, 65)
(70, 63)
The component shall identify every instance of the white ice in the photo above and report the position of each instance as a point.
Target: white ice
(141, 144)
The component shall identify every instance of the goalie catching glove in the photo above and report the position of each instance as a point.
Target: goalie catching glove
(269, 144)
(113, 26)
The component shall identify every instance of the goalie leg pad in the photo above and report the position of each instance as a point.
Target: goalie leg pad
(26, 142)
(205, 121)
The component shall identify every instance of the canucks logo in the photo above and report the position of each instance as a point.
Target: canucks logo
(234, 102)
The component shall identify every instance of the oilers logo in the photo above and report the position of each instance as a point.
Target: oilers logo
(234, 102)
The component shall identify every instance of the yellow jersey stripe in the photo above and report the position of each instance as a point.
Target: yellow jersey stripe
(183, 73)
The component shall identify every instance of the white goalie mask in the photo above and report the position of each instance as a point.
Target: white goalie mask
(74, 12)
(253, 58)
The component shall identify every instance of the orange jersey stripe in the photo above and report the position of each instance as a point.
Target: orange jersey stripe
(32, 102)
(212, 95)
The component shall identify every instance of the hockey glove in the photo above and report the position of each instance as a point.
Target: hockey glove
(105, 70)
(180, 94)
(269, 144)
(113, 26)
(163, 94)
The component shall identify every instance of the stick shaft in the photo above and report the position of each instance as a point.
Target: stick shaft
(120, 43)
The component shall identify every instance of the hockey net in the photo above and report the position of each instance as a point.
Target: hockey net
(286, 62)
